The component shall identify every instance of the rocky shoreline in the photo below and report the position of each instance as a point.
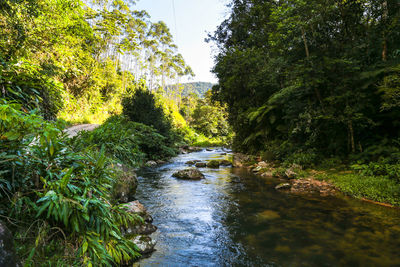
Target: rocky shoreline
(290, 180)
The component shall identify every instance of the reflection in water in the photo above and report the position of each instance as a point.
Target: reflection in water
(233, 218)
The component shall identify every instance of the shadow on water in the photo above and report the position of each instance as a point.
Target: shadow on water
(233, 218)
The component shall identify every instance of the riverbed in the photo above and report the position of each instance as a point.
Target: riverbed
(235, 218)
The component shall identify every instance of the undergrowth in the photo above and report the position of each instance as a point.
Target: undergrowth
(56, 198)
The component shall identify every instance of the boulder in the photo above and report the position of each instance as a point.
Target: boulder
(192, 162)
(189, 174)
(240, 159)
(182, 151)
(263, 164)
(135, 207)
(209, 149)
(290, 174)
(268, 174)
(257, 169)
(201, 165)
(213, 164)
(7, 252)
(151, 163)
(283, 186)
(125, 187)
(159, 162)
(309, 186)
(189, 149)
(225, 163)
(140, 229)
(145, 228)
(144, 243)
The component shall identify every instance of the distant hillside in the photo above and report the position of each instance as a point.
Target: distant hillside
(199, 88)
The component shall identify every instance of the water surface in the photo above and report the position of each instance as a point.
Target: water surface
(233, 218)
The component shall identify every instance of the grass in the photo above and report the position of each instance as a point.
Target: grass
(376, 188)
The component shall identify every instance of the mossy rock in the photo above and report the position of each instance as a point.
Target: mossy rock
(225, 163)
(189, 174)
(213, 164)
(201, 165)
(125, 187)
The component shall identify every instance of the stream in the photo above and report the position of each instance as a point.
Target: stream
(234, 218)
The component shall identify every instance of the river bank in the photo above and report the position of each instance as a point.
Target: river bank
(324, 181)
(235, 217)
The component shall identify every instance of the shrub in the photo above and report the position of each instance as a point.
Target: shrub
(305, 159)
(142, 107)
(25, 84)
(65, 193)
(381, 168)
(129, 142)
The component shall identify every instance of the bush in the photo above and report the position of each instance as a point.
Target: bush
(129, 142)
(59, 198)
(142, 107)
(305, 159)
(381, 168)
(25, 84)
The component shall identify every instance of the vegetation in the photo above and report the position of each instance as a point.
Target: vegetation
(73, 61)
(57, 198)
(309, 80)
(129, 142)
(186, 89)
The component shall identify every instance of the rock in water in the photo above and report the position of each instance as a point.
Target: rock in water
(139, 228)
(135, 207)
(192, 162)
(7, 252)
(213, 164)
(189, 174)
(290, 174)
(283, 186)
(144, 243)
(151, 164)
(225, 163)
(201, 165)
(267, 215)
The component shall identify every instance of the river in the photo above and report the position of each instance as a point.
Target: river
(234, 218)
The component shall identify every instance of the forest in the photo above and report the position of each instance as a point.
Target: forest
(304, 84)
(315, 83)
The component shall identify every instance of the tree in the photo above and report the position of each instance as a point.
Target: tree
(304, 74)
(142, 107)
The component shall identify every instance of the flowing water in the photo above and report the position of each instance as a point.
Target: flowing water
(233, 218)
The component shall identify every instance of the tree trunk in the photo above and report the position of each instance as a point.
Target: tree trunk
(303, 35)
(384, 17)
(351, 132)
(317, 93)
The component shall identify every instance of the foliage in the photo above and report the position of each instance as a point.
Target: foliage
(25, 83)
(142, 107)
(310, 75)
(129, 142)
(382, 169)
(66, 193)
(210, 118)
(87, 52)
(187, 89)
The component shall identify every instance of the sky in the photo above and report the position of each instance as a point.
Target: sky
(194, 19)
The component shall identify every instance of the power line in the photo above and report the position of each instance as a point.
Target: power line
(176, 28)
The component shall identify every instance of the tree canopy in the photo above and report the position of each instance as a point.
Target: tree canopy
(306, 75)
